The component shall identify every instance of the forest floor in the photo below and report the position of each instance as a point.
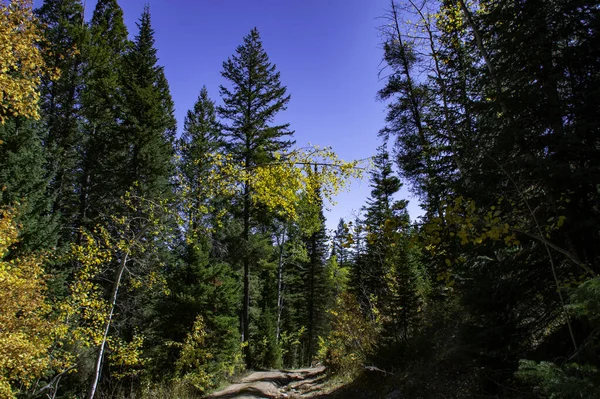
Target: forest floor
(292, 384)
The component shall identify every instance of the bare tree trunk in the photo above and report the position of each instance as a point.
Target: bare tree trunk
(115, 291)
(280, 283)
(246, 260)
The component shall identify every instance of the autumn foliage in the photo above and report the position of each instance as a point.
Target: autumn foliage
(21, 61)
(26, 332)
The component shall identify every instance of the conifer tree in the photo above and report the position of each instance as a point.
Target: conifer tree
(341, 244)
(24, 184)
(203, 282)
(201, 285)
(65, 33)
(201, 136)
(251, 102)
(148, 126)
(379, 221)
(314, 283)
(104, 153)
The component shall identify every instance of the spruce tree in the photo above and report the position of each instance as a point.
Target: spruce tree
(104, 152)
(201, 136)
(341, 244)
(389, 269)
(66, 35)
(200, 285)
(148, 126)
(314, 279)
(379, 217)
(202, 282)
(251, 102)
(24, 184)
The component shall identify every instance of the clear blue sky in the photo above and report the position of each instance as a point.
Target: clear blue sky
(328, 53)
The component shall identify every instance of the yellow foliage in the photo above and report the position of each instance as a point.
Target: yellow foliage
(126, 357)
(85, 307)
(462, 221)
(21, 61)
(197, 364)
(26, 331)
(353, 336)
(280, 184)
(194, 356)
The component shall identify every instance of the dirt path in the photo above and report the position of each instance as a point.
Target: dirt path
(292, 384)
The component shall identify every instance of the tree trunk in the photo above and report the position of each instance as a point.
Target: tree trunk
(280, 284)
(113, 296)
(246, 260)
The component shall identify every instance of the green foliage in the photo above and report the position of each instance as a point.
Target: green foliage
(585, 300)
(250, 105)
(148, 127)
(65, 35)
(205, 287)
(571, 380)
(24, 182)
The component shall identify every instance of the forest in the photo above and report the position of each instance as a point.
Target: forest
(139, 261)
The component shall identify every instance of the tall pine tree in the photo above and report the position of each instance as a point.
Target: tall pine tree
(251, 102)
(66, 35)
(104, 152)
(148, 126)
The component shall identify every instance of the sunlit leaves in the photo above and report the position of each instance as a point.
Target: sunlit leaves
(26, 331)
(21, 61)
(280, 184)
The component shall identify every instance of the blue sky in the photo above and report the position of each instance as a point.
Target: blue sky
(328, 53)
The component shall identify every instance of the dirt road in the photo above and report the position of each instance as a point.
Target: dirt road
(292, 384)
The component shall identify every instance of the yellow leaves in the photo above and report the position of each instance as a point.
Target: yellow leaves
(462, 219)
(126, 357)
(26, 330)
(195, 356)
(8, 230)
(21, 61)
(353, 336)
(281, 184)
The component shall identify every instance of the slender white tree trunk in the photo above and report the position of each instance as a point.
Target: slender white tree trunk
(102, 349)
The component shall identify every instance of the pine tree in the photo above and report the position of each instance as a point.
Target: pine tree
(390, 270)
(314, 283)
(341, 244)
(380, 222)
(201, 136)
(509, 129)
(200, 285)
(24, 184)
(104, 153)
(256, 96)
(148, 126)
(202, 282)
(66, 35)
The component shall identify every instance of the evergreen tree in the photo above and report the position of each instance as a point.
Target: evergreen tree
(104, 153)
(24, 183)
(206, 286)
(314, 284)
(148, 126)
(256, 96)
(380, 222)
(201, 136)
(66, 35)
(506, 127)
(341, 244)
